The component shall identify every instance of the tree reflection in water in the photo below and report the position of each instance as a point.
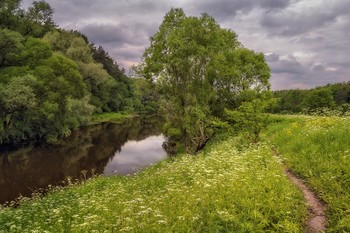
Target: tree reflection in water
(90, 148)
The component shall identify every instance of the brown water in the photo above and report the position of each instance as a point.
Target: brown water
(100, 149)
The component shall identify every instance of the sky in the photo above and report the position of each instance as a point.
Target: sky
(305, 42)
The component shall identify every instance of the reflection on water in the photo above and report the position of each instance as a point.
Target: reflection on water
(136, 155)
(105, 148)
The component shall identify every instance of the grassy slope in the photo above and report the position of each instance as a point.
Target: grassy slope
(113, 117)
(219, 190)
(318, 149)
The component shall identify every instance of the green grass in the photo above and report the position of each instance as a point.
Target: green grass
(318, 149)
(113, 117)
(219, 190)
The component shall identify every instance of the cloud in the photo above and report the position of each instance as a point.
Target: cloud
(119, 34)
(228, 9)
(303, 17)
(305, 41)
(286, 64)
(272, 57)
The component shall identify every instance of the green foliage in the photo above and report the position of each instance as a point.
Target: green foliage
(42, 95)
(237, 74)
(251, 117)
(314, 100)
(115, 117)
(35, 21)
(317, 149)
(200, 126)
(221, 190)
(35, 51)
(52, 85)
(200, 69)
(110, 89)
(318, 98)
(9, 10)
(121, 93)
(146, 96)
(10, 46)
(16, 98)
(79, 112)
(38, 19)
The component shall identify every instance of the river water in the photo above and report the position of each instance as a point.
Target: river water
(106, 149)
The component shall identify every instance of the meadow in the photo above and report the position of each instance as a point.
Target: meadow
(230, 186)
(222, 189)
(318, 150)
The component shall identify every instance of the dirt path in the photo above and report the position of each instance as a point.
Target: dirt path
(316, 221)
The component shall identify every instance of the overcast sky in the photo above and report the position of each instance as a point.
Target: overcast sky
(306, 42)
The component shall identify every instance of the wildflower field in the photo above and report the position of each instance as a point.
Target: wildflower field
(318, 150)
(229, 187)
(222, 189)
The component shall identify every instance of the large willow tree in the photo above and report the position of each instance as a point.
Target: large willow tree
(200, 69)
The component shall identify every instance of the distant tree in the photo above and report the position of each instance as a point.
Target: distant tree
(11, 6)
(319, 98)
(122, 94)
(9, 9)
(79, 50)
(15, 99)
(11, 43)
(38, 19)
(112, 67)
(146, 96)
(35, 51)
(340, 92)
(41, 12)
(290, 101)
(111, 89)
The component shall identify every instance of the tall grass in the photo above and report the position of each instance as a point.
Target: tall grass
(318, 149)
(220, 190)
(113, 117)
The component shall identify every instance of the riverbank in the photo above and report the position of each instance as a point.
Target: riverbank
(228, 187)
(112, 117)
(221, 189)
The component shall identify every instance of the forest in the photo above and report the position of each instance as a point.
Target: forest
(319, 100)
(52, 80)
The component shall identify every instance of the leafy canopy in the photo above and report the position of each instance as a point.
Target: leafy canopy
(200, 68)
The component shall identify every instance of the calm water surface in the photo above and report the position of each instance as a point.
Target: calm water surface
(100, 149)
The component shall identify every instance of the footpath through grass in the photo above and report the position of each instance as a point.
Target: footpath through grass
(318, 150)
(220, 190)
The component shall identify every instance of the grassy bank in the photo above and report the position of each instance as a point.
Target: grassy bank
(220, 190)
(318, 149)
(113, 117)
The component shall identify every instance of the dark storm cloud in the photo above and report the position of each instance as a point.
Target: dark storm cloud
(305, 41)
(286, 65)
(118, 34)
(295, 24)
(223, 9)
(304, 19)
(274, 4)
(272, 57)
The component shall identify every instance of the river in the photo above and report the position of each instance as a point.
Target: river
(104, 149)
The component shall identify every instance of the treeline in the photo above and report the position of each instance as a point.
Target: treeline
(53, 80)
(330, 96)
